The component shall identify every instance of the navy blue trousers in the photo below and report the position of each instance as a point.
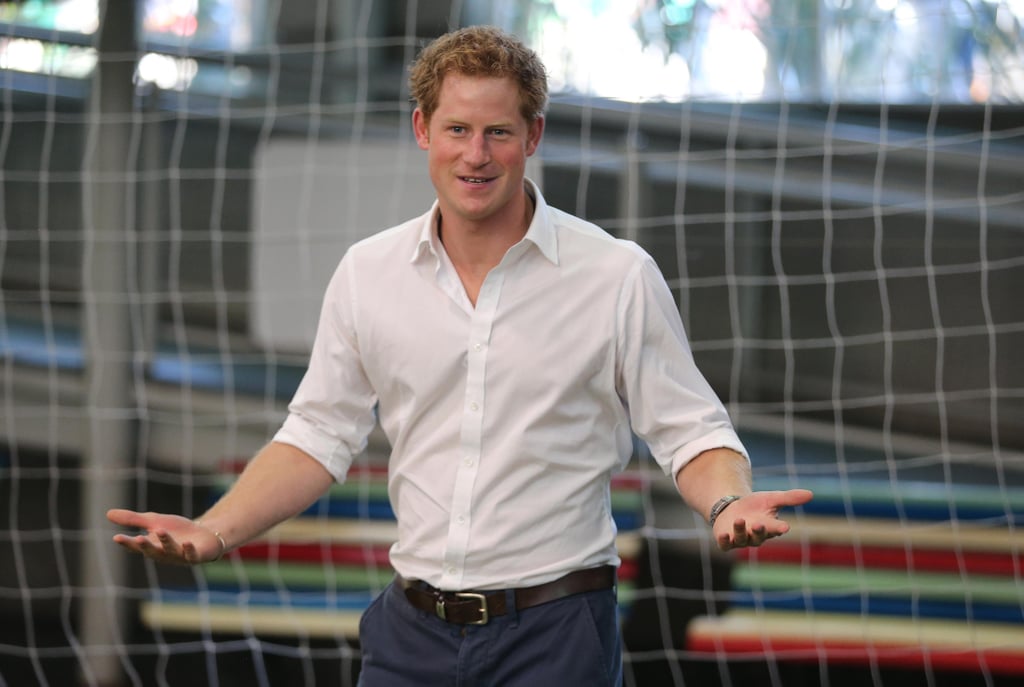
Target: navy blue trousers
(564, 643)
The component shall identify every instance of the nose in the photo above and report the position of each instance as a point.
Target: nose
(477, 152)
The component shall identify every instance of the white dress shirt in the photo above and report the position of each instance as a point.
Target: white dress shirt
(507, 420)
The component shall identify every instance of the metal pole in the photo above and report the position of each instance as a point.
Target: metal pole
(111, 418)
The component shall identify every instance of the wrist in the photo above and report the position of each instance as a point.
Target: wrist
(217, 534)
(719, 506)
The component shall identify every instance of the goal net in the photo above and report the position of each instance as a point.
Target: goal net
(833, 190)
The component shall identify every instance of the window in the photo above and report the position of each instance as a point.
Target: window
(56, 37)
(894, 51)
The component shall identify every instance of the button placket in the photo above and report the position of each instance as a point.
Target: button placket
(460, 518)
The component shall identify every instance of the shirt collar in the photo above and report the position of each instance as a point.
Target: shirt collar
(541, 231)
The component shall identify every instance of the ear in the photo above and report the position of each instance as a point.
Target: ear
(534, 134)
(421, 128)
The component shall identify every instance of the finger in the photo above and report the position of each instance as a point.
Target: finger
(164, 550)
(168, 544)
(140, 544)
(127, 542)
(124, 517)
(794, 497)
(190, 552)
(739, 532)
(758, 535)
(148, 547)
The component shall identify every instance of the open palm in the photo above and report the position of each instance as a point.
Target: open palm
(167, 538)
(753, 519)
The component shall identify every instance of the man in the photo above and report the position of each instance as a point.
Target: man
(508, 351)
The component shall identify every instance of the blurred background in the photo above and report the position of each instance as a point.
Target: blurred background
(833, 188)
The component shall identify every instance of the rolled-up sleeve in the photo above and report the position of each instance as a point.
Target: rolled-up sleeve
(331, 414)
(671, 405)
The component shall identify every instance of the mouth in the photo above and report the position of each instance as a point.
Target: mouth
(475, 181)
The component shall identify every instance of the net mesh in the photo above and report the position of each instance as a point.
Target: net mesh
(844, 240)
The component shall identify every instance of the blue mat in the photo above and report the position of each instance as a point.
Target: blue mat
(31, 343)
(880, 604)
(346, 601)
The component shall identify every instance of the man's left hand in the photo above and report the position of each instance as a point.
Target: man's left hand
(753, 519)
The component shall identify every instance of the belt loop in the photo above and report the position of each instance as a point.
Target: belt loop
(513, 611)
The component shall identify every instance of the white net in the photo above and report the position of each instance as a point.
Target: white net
(832, 189)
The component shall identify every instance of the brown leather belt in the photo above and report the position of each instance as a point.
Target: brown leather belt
(477, 608)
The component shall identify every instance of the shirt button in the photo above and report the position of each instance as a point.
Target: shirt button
(461, 519)
(474, 407)
(468, 461)
(478, 347)
(451, 570)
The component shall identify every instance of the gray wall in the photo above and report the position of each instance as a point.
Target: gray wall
(909, 328)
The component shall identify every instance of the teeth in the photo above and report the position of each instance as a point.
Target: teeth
(475, 180)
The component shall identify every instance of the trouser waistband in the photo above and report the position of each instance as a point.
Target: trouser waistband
(477, 608)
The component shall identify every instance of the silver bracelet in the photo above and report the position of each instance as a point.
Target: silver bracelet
(721, 505)
(223, 544)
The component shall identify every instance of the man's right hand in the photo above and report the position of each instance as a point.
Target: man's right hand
(167, 538)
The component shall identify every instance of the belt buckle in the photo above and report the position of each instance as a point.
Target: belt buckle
(480, 598)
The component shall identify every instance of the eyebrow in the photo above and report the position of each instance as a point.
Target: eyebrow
(461, 122)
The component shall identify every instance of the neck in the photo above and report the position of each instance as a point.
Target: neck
(482, 245)
(475, 249)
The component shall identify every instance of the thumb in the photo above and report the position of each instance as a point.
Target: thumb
(124, 517)
(794, 497)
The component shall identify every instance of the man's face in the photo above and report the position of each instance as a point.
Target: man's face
(478, 142)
